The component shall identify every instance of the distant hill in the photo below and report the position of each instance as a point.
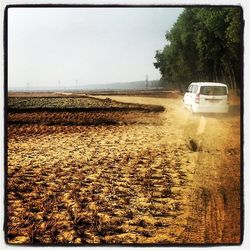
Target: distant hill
(118, 86)
(136, 85)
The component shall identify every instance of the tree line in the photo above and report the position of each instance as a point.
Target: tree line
(204, 44)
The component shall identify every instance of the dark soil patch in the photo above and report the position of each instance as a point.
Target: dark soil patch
(74, 104)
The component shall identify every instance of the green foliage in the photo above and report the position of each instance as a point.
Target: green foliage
(203, 45)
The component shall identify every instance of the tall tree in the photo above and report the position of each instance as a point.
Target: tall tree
(203, 45)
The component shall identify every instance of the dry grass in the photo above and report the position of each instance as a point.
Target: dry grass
(93, 184)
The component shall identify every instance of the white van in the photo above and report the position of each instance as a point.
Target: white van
(207, 97)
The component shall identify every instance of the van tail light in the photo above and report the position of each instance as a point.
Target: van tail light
(197, 98)
(228, 99)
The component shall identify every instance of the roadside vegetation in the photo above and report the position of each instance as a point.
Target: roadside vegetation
(203, 45)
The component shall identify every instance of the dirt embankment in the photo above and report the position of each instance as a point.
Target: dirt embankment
(171, 179)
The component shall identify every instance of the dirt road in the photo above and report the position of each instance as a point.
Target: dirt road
(168, 178)
(214, 191)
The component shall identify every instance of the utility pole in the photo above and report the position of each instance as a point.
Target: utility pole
(28, 86)
(59, 85)
(146, 81)
(76, 84)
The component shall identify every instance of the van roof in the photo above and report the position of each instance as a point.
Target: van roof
(210, 84)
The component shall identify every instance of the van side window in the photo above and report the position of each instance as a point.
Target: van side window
(194, 89)
(190, 88)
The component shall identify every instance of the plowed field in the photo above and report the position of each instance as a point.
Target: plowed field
(161, 178)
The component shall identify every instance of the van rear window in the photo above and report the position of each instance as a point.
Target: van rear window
(213, 90)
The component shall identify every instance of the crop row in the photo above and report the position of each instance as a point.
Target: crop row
(74, 103)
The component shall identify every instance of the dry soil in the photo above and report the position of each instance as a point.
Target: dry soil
(169, 178)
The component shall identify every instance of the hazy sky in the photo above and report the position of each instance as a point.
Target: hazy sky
(84, 45)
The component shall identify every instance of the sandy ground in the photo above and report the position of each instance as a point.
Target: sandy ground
(171, 178)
